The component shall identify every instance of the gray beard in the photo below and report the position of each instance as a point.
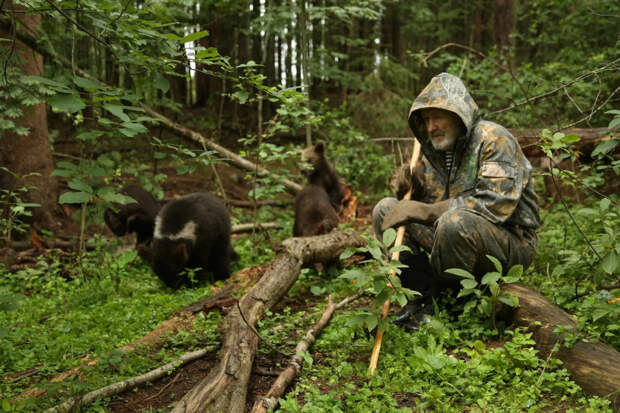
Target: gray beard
(444, 145)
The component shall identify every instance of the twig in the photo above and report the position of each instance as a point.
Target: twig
(251, 327)
(239, 228)
(124, 385)
(163, 388)
(270, 400)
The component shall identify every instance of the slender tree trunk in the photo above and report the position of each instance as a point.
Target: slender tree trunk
(31, 153)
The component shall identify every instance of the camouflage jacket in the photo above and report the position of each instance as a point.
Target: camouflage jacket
(489, 175)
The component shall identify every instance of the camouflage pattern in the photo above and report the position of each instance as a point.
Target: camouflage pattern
(490, 176)
(493, 206)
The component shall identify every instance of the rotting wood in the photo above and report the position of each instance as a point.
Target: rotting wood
(225, 388)
(270, 400)
(593, 366)
(121, 386)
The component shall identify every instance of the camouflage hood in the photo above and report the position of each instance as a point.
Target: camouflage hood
(489, 175)
(444, 91)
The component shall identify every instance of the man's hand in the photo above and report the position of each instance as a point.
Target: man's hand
(404, 180)
(406, 212)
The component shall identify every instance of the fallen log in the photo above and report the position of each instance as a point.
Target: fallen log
(593, 366)
(225, 388)
(529, 138)
(270, 400)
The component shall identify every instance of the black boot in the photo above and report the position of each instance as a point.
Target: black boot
(419, 277)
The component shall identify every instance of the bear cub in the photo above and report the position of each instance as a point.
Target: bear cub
(138, 216)
(191, 232)
(322, 173)
(314, 214)
(317, 203)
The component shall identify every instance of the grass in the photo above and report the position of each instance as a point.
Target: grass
(454, 363)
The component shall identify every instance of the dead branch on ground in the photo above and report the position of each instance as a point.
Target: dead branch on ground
(270, 400)
(225, 388)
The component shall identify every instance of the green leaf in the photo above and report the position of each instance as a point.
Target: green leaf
(349, 252)
(469, 284)
(66, 102)
(610, 263)
(86, 83)
(494, 288)
(490, 277)
(389, 236)
(135, 127)
(465, 292)
(514, 274)
(496, 263)
(509, 299)
(461, 273)
(371, 321)
(242, 96)
(74, 198)
(207, 53)
(80, 186)
(194, 36)
(605, 147)
(117, 111)
(160, 82)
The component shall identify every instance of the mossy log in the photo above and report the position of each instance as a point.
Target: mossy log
(225, 388)
(593, 366)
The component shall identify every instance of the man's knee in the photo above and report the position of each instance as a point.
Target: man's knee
(378, 213)
(455, 224)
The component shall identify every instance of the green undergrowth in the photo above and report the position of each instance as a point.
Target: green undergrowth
(64, 309)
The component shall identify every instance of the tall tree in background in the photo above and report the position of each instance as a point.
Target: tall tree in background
(28, 153)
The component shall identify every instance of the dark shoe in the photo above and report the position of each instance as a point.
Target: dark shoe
(414, 308)
(416, 319)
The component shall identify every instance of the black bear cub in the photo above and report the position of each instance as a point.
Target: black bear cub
(317, 203)
(138, 217)
(322, 173)
(191, 232)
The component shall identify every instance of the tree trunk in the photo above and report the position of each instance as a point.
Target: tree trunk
(225, 389)
(593, 366)
(504, 18)
(32, 153)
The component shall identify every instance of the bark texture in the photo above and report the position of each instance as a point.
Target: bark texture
(31, 153)
(225, 389)
(593, 366)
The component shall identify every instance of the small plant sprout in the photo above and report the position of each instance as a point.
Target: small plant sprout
(489, 283)
(378, 277)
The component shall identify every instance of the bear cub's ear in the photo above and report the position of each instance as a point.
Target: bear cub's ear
(320, 147)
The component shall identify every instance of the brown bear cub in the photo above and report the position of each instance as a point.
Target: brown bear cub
(191, 232)
(317, 203)
(314, 214)
(138, 216)
(322, 173)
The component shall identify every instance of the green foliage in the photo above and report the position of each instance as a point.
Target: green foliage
(12, 208)
(379, 277)
(61, 319)
(487, 292)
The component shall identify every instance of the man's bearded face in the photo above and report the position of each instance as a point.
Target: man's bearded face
(442, 128)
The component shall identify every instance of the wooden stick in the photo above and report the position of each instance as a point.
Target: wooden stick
(124, 385)
(400, 234)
